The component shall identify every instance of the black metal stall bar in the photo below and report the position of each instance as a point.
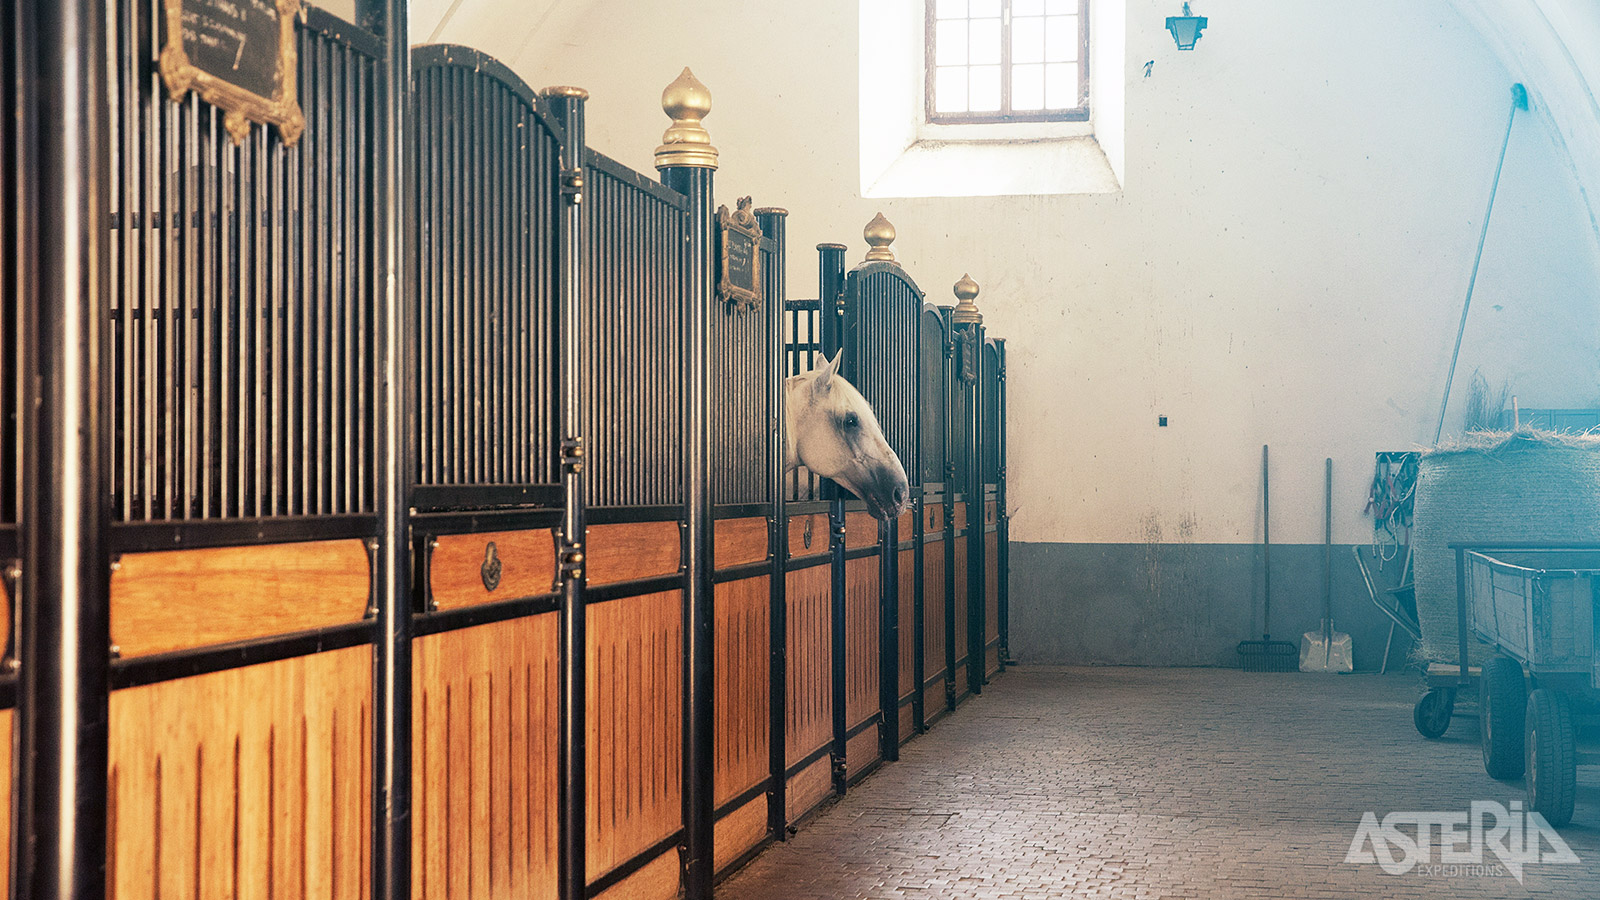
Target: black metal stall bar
(393, 387)
(967, 325)
(773, 222)
(59, 830)
(830, 296)
(687, 161)
(571, 758)
(1002, 511)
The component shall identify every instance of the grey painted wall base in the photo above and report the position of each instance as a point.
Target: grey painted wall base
(1184, 604)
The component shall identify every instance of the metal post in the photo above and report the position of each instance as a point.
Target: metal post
(393, 439)
(572, 707)
(967, 324)
(687, 162)
(1002, 512)
(830, 294)
(60, 743)
(976, 601)
(951, 382)
(773, 224)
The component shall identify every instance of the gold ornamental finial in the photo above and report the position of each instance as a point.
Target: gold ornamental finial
(879, 234)
(966, 312)
(686, 142)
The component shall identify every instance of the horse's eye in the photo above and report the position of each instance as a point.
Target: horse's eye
(851, 422)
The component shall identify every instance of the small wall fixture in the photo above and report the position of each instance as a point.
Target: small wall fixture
(1186, 28)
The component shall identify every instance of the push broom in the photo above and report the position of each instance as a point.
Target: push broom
(1267, 655)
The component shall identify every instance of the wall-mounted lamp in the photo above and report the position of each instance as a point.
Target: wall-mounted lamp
(1186, 28)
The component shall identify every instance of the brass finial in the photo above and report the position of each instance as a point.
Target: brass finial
(879, 234)
(966, 312)
(686, 142)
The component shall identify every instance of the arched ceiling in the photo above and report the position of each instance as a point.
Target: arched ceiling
(1551, 46)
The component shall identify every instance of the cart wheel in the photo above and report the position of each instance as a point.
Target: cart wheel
(1502, 707)
(1552, 757)
(1433, 711)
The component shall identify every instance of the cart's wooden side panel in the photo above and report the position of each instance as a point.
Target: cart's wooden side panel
(179, 599)
(635, 709)
(742, 658)
(862, 627)
(484, 760)
(249, 783)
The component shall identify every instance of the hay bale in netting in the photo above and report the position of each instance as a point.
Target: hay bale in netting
(1521, 486)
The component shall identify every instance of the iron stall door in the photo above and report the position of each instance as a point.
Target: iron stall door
(882, 353)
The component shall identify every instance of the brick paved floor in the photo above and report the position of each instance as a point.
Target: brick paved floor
(1156, 783)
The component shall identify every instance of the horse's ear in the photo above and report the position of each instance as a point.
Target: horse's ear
(824, 380)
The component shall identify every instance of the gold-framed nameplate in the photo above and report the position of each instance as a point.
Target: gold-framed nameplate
(238, 55)
(739, 274)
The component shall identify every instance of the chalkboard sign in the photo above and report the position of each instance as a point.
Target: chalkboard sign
(739, 276)
(238, 55)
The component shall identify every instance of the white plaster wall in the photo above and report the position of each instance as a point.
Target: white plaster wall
(1285, 264)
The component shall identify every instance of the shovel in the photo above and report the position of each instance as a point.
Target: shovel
(1327, 650)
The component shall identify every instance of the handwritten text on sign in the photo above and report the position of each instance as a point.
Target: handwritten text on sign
(234, 40)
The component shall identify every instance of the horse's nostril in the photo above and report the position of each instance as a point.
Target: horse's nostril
(900, 493)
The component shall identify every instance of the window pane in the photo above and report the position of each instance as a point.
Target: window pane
(1053, 7)
(1027, 40)
(951, 43)
(950, 89)
(1061, 85)
(985, 42)
(1027, 8)
(984, 94)
(985, 9)
(951, 9)
(1027, 88)
(1061, 39)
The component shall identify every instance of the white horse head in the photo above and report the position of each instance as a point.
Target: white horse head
(832, 432)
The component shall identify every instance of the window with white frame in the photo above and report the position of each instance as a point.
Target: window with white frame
(1007, 61)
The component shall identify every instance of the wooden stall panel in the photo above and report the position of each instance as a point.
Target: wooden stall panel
(740, 541)
(658, 879)
(860, 530)
(6, 719)
(809, 787)
(246, 783)
(932, 517)
(635, 707)
(524, 562)
(483, 747)
(908, 645)
(991, 601)
(178, 599)
(961, 613)
(862, 623)
(808, 722)
(808, 535)
(933, 630)
(743, 659)
(632, 550)
(739, 832)
(990, 510)
(961, 516)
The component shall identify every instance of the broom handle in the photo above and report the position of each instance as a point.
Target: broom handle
(1266, 549)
